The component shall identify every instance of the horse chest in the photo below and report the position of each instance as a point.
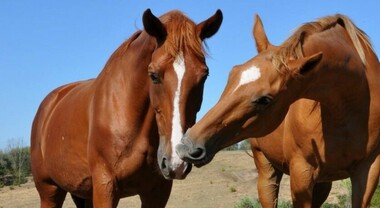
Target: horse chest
(137, 174)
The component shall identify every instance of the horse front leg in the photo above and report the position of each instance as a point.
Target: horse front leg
(82, 203)
(158, 197)
(269, 179)
(104, 189)
(301, 183)
(50, 195)
(320, 193)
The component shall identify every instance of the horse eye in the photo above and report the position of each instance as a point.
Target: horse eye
(155, 77)
(263, 101)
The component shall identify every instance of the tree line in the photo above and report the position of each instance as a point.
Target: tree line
(14, 164)
(243, 145)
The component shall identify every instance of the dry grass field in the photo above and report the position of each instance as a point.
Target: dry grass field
(230, 177)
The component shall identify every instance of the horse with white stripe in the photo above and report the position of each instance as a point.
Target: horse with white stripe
(109, 137)
(320, 92)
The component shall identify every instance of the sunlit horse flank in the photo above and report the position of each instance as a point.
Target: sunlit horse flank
(109, 137)
(323, 85)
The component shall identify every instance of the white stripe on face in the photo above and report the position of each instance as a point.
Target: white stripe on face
(249, 75)
(177, 132)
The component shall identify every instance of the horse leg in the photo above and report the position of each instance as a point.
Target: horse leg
(81, 203)
(320, 193)
(301, 183)
(50, 194)
(104, 194)
(364, 183)
(269, 179)
(158, 197)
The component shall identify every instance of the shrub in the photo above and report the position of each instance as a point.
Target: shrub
(14, 164)
(345, 199)
(247, 202)
(233, 189)
(285, 204)
(375, 202)
(328, 205)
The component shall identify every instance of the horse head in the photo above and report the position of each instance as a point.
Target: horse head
(178, 72)
(253, 103)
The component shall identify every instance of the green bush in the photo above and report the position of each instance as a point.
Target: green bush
(345, 200)
(285, 204)
(328, 205)
(247, 202)
(14, 165)
(243, 145)
(375, 202)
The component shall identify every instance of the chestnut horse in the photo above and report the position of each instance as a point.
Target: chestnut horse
(325, 80)
(109, 137)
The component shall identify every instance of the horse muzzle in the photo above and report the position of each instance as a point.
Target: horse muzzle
(195, 154)
(174, 168)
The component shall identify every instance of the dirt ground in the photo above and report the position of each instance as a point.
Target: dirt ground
(230, 177)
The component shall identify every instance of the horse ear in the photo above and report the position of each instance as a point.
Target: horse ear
(261, 39)
(153, 26)
(210, 26)
(305, 64)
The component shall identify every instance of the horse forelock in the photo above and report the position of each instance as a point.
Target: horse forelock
(182, 35)
(292, 47)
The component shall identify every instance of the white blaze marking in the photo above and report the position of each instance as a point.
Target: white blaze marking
(177, 132)
(249, 75)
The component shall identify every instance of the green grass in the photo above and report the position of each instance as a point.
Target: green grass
(247, 202)
(344, 200)
(375, 202)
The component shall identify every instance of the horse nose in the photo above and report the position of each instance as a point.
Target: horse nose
(197, 153)
(189, 152)
(174, 170)
(164, 166)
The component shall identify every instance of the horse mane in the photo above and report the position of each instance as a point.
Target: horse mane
(292, 47)
(182, 34)
(120, 51)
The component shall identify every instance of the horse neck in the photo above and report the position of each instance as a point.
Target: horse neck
(129, 63)
(122, 88)
(340, 81)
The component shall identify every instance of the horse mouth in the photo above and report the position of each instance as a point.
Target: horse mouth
(178, 173)
(185, 173)
(200, 163)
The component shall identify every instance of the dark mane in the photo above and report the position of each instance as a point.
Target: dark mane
(292, 47)
(182, 34)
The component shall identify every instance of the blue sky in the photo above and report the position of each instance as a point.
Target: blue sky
(45, 44)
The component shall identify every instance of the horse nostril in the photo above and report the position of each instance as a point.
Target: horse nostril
(197, 153)
(163, 163)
